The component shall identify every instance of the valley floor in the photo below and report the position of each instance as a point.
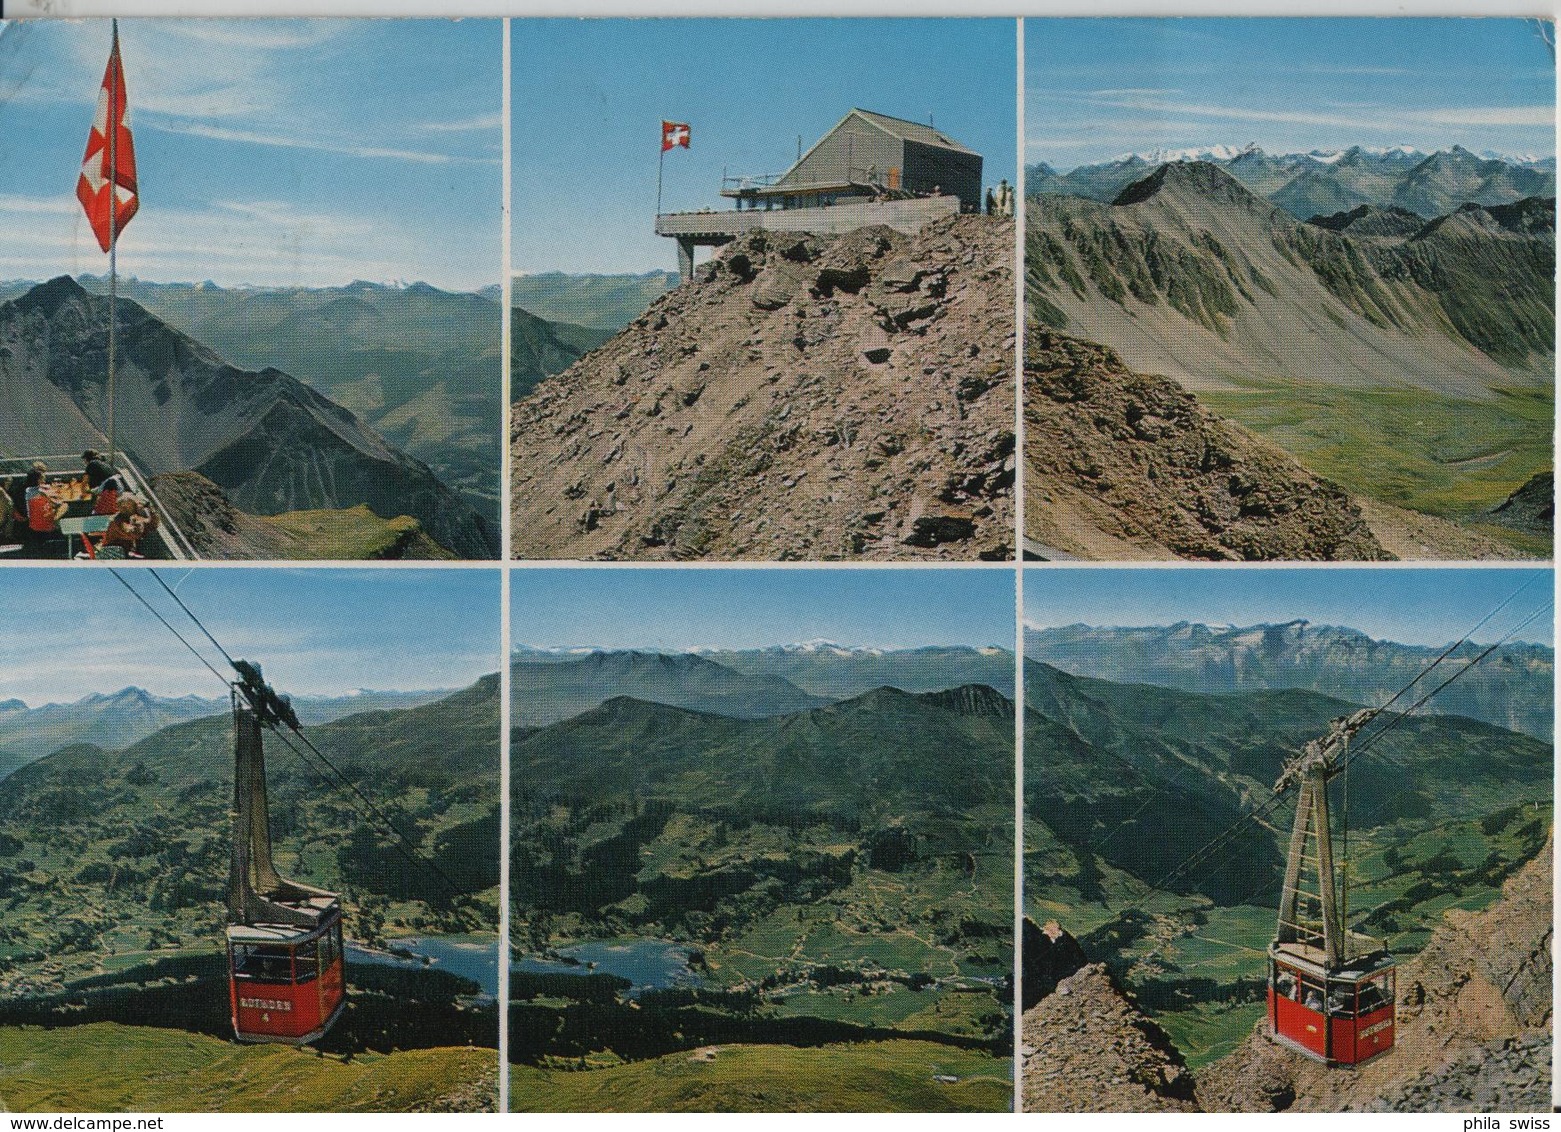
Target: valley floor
(107, 1067)
(1439, 455)
(891, 1076)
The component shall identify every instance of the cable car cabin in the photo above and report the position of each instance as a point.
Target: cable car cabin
(1341, 1017)
(286, 976)
(287, 984)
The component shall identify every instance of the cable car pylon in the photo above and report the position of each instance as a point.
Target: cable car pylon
(286, 972)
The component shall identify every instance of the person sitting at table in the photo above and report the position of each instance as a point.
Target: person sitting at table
(44, 511)
(132, 523)
(104, 481)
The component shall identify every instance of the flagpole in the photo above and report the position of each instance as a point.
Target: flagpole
(112, 127)
(660, 164)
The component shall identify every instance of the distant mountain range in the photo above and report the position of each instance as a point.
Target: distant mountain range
(270, 442)
(549, 690)
(594, 302)
(886, 752)
(1511, 688)
(418, 364)
(1328, 181)
(112, 719)
(839, 671)
(816, 671)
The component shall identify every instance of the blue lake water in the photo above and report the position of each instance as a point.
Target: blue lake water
(473, 957)
(650, 964)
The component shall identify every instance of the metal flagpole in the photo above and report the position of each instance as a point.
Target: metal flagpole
(112, 126)
(661, 163)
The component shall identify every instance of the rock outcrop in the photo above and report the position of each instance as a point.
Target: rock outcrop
(801, 397)
(1127, 465)
(218, 530)
(1531, 508)
(1050, 955)
(1088, 1049)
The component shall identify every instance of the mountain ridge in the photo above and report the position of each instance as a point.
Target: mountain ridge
(1308, 183)
(418, 364)
(269, 441)
(1511, 689)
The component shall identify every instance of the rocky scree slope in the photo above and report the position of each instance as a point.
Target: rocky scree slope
(1474, 1013)
(1121, 464)
(1190, 274)
(802, 397)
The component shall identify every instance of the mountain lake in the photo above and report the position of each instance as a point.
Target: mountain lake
(474, 957)
(650, 964)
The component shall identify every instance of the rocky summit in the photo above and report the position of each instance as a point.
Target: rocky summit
(801, 397)
(1087, 1048)
(1127, 465)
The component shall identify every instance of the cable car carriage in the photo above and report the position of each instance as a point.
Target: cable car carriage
(1341, 1015)
(286, 971)
(1331, 992)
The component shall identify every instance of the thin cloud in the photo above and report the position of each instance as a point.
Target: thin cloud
(1129, 90)
(1490, 116)
(318, 145)
(1541, 115)
(480, 122)
(53, 205)
(255, 35)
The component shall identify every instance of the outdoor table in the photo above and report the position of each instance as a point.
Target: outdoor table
(85, 525)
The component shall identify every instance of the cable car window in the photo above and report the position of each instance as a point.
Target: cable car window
(262, 963)
(1341, 1000)
(1376, 993)
(304, 958)
(327, 950)
(1285, 984)
(1312, 995)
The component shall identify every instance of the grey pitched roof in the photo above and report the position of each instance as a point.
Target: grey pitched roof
(910, 131)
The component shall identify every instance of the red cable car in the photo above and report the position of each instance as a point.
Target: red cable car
(286, 973)
(1331, 992)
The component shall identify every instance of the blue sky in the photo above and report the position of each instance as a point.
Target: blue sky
(67, 633)
(590, 95)
(724, 608)
(1098, 88)
(270, 152)
(1417, 607)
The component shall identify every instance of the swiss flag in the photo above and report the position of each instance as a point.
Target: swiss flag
(673, 134)
(110, 157)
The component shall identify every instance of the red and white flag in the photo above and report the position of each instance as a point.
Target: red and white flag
(673, 134)
(108, 171)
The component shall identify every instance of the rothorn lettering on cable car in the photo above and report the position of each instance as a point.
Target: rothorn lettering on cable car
(266, 1004)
